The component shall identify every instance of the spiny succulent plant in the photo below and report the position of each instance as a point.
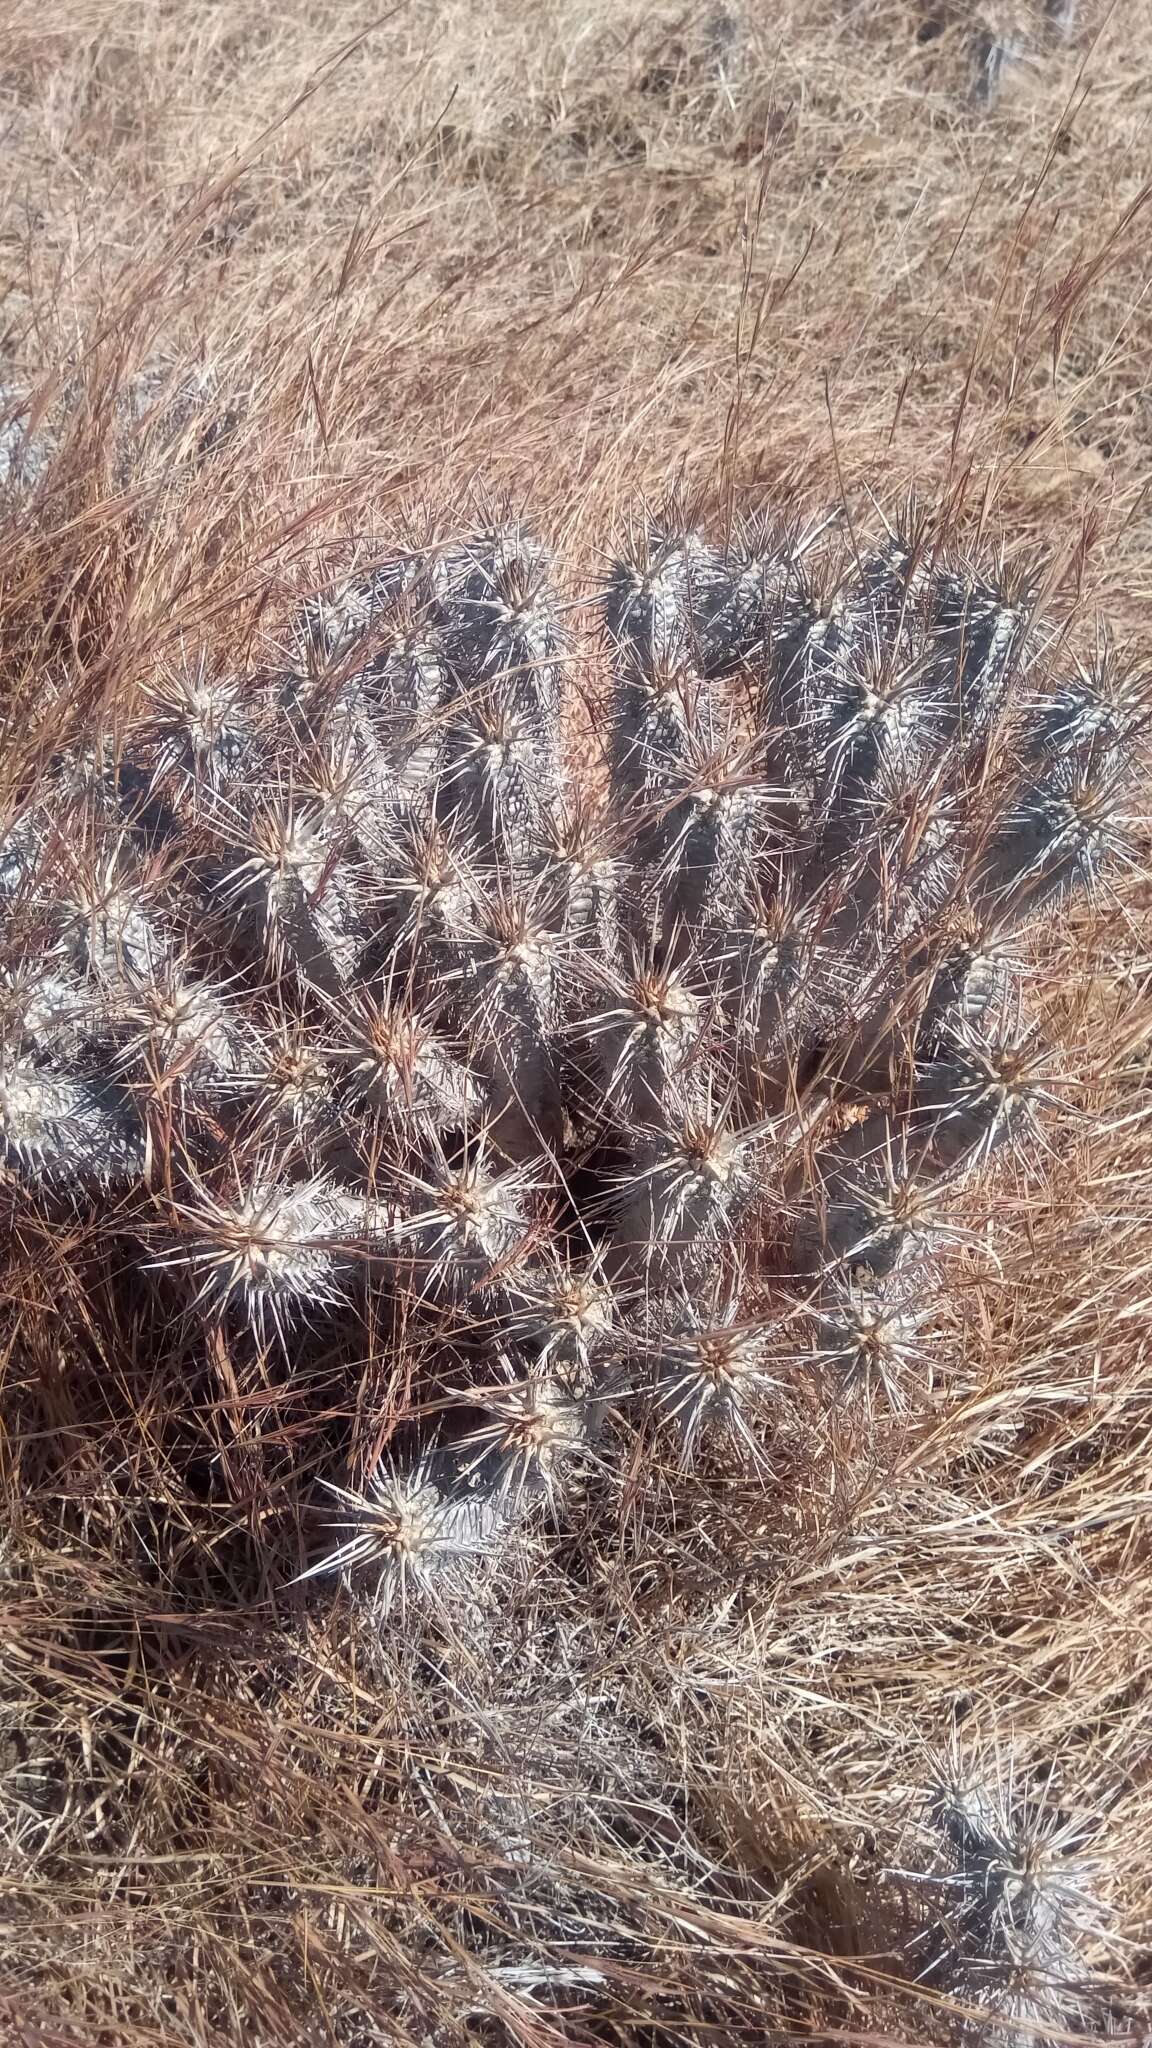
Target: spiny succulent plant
(365, 987)
(1015, 1888)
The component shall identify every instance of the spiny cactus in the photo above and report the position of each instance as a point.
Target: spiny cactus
(642, 1085)
(164, 414)
(1016, 1889)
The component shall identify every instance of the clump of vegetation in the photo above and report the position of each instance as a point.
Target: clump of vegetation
(573, 1085)
(382, 1043)
(360, 1004)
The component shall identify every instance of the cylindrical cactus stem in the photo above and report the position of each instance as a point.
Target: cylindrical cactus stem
(564, 1316)
(703, 1371)
(762, 963)
(1092, 721)
(657, 716)
(980, 636)
(534, 1426)
(888, 859)
(579, 878)
(746, 594)
(875, 724)
(972, 1098)
(990, 57)
(335, 621)
(1019, 1897)
(1054, 837)
(64, 1132)
(659, 597)
(393, 1065)
(49, 1014)
(694, 1178)
(759, 597)
(274, 1250)
(409, 687)
(698, 850)
(425, 914)
(290, 884)
(965, 990)
(868, 1337)
(179, 1030)
(380, 703)
(642, 1029)
(497, 777)
(463, 1226)
(25, 835)
(876, 1207)
(893, 585)
(289, 1095)
(196, 732)
(111, 932)
(508, 997)
(407, 1532)
(333, 723)
(494, 606)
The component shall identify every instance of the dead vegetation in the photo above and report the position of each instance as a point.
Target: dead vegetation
(726, 1754)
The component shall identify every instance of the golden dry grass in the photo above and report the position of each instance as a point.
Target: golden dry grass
(420, 255)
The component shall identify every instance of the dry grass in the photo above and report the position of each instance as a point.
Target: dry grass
(658, 1788)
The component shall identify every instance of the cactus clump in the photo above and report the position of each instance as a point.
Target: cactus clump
(1015, 1883)
(641, 1087)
